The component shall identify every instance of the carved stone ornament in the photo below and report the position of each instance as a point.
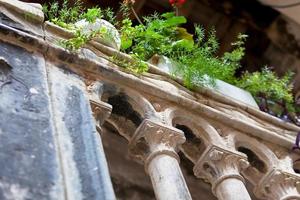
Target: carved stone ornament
(278, 184)
(100, 109)
(152, 139)
(217, 164)
(94, 90)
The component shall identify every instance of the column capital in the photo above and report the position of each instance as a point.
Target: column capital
(100, 109)
(278, 184)
(217, 164)
(153, 138)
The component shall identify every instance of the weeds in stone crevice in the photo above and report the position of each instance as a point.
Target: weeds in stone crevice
(135, 65)
(67, 14)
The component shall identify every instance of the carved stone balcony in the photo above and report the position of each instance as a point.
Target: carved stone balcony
(192, 144)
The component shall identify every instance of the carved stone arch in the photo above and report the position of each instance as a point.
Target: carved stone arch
(198, 132)
(129, 108)
(260, 157)
(296, 166)
(140, 103)
(202, 127)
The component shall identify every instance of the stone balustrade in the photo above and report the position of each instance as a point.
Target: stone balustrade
(230, 144)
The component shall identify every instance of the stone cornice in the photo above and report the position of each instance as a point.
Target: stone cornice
(30, 11)
(107, 71)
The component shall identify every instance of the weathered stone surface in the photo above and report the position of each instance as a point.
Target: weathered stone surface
(23, 16)
(109, 34)
(85, 169)
(49, 147)
(4, 19)
(28, 157)
(29, 11)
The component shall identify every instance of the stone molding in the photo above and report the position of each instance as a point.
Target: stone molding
(217, 164)
(32, 11)
(101, 111)
(152, 139)
(278, 184)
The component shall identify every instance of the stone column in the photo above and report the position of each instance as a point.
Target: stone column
(222, 169)
(155, 144)
(278, 185)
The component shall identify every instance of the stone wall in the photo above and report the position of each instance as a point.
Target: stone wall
(50, 148)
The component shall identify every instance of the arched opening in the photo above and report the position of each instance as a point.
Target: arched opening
(258, 164)
(296, 166)
(198, 188)
(190, 152)
(126, 115)
(253, 159)
(193, 146)
(123, 108)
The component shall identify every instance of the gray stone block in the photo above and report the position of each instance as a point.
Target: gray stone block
(28, 157)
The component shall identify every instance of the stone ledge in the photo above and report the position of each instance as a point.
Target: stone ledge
(31, 11)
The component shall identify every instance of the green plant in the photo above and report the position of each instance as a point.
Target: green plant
(200, 65)
(92, 14)
(162, 35)
(64, 15)
(157, 36)
(76, 42)
(136, 65)
(266, 84)
(274, 94)
(80, 38)
(197, 62)
(110, 16)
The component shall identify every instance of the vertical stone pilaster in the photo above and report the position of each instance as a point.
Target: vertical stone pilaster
(155, 144)
(84, 166)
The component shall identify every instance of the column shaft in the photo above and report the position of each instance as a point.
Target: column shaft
(233, 189)
(167, 179)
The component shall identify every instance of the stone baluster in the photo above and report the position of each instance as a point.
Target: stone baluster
(278, 185)
(155, 144)
(222, 169)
